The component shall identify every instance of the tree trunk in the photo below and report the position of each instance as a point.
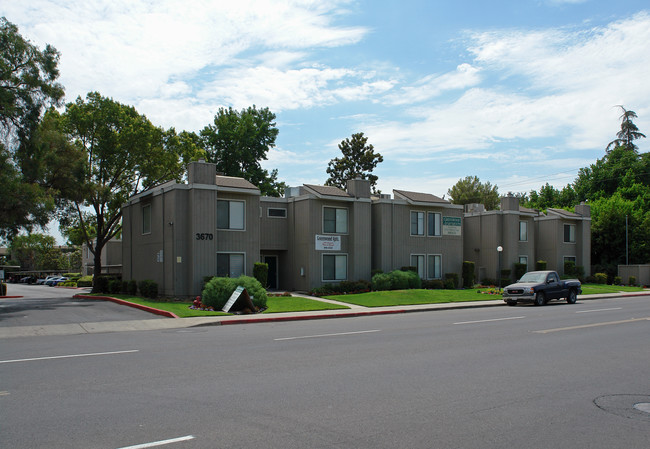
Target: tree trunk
(97, 270)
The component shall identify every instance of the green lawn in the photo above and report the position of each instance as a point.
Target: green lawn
(274, 304)
(592, 289)
(297, 304)
(416, 296)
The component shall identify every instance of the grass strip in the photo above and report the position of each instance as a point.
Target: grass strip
(415, 296)
(298, 304)
(594, 289)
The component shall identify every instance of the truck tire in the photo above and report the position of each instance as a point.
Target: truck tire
(540, 299)
(573, 296)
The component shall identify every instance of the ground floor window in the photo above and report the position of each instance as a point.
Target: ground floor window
(231, 264)
(434, 266)
(524, 260)
(335, 267)
(417, 261)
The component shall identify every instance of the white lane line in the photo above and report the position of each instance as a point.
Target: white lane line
(586, 326)
(160, 443)
(599, 310)
(69, 356)
(488, 321)
(327, 335)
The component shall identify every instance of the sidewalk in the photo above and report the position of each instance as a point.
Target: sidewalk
(180, 323)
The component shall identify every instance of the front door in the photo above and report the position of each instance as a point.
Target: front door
(272, 262)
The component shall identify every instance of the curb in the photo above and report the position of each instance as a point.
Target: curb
(130, 304)
(11, 297)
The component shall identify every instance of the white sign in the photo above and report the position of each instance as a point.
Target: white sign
(451, 225)
(328, 242)
(233, 298)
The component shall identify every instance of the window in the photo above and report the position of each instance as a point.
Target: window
(146, 219)
(417, 261)
(230, 264)
(434, 224)
(569, 233)
(335, 220)
(524, 260)
(276, 212)
(523, 231)
(230, 214)
(569, 259)
(434, 266)
(552, 277)
(417, 223)
(335, 267)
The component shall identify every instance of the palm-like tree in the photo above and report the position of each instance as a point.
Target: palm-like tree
(628, 133)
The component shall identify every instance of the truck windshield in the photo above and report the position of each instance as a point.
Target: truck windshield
(533, 277)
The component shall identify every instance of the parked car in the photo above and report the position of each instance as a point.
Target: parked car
(28, 280)
(56, 281)
(44, 280)
(539, 287)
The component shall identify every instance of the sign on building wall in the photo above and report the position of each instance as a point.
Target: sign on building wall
(328, 242)
(451, 225)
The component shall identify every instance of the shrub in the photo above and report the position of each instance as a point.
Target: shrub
(569, 268)
(114, 286)
(101, 285)
(133, 287)
(68, 283)
(618, 280)
(148, 288)
(381, 281)
(261, 273)
(399, 280)
(580, 272)
(324, 290)
(450, 284)
(631, 280)
(85, 281)
(217, 292)
(540, 265)
(590, 280)
(520, 270)
(488, 281)
(468, 274)
(3, 289)
(409, 268)
(601, 278)
(433, 284)
(454, 278)
(375, 271)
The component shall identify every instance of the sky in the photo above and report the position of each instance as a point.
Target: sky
(517, 93)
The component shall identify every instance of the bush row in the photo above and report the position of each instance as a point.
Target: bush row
(342, 288)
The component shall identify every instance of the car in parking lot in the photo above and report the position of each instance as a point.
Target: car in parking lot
(42, 281)
(56, 281)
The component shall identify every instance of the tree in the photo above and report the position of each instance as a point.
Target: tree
(628, 133)
(27, 85)
(30, 249)
(358, 161)
(549, 196)
(472, 190)
(123, 154)
(238, 141)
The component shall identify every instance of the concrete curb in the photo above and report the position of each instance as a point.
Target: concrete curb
(164, 313)
(11, 297)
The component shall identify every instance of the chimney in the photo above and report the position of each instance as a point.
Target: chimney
(359, 188)
(201, 172)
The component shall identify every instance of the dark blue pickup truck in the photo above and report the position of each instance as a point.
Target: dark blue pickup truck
(539, 287)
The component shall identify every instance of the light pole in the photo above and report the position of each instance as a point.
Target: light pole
(499, 251)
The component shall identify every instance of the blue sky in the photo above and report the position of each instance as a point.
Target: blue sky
(518, 93)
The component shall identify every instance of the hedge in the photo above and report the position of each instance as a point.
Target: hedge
(218, 290)
(468, 274)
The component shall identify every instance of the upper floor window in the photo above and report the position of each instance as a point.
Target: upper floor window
(231, 214)
(276, 212)
(146, 219)
(523, 231)
(335, 220)
(417, 223)
(434, 221)
(569, 233)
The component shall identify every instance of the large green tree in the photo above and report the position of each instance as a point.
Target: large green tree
(238, 140)
(32, 250)
(628, 134)
(27, 86)
(358, 161)
(549, 196)
(471, 190)
(123, 154)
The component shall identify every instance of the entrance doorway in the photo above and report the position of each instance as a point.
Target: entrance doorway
(272, 262)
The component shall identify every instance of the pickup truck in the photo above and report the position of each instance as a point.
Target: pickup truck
(539, 287)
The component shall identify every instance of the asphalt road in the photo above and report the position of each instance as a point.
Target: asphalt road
(43, 305)
(525, 377)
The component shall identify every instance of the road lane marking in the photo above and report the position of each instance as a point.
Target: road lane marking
(69, 356)
(585, 326)
(599, 310)
(160, 443)
(488, 321)
(327, 335)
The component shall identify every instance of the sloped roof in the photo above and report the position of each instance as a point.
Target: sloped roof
(528, 211)
(563, 213)
(233, 182)
(418, 197)
(327, 190)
